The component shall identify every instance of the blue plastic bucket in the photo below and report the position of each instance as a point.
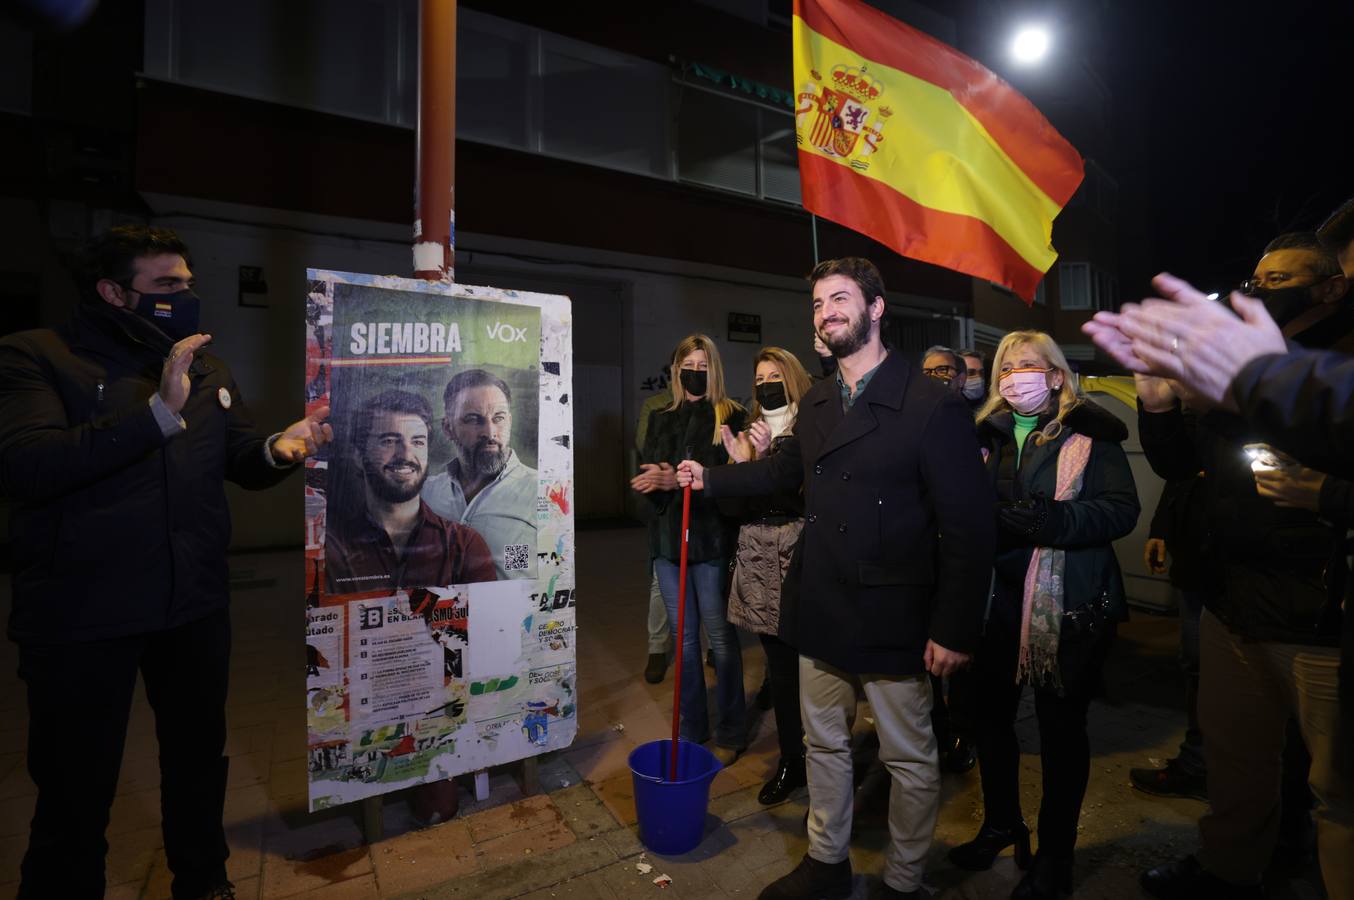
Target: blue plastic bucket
(672, 811)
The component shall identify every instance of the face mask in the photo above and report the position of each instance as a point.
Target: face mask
(176, 314)
(1026, 390)
(771, 394)
(829, 365)
(694, 382)
(975, 388)
(1285, 304)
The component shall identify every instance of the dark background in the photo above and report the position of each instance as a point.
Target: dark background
(1230, 121)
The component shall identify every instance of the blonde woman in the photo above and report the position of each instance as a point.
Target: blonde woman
(770, 529)
(692, 428)
(1065, 493)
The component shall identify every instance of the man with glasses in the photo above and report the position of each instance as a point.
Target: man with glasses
(1270, 633)
(945, 366)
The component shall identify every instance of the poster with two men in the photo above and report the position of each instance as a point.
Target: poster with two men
(439, 535)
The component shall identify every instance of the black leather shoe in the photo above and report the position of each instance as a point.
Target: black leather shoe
(977, 855)
(790, 777)
(882, 891)
(812, 880)
(1048, 878)
(657, 668)
(959, 757)
(1185, 879)
(1169, 781)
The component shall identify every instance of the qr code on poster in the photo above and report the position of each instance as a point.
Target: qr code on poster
(516, 558)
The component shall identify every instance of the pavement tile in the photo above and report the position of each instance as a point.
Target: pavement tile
(592, 886)
(134, 811)
(249, 768)
(601, 761)
(511, 848)
(16, 782)
(618, 795)
(528, 874)
(511, 817)
(583, 812)
(363, 887)
(424, 859)
(313, 856)
(130, 855)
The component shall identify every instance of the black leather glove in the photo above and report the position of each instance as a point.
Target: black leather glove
(1033, 519)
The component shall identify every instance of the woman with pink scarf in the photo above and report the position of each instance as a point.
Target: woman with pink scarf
(1065, 493)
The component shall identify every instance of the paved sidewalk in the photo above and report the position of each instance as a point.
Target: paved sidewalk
(578, 837)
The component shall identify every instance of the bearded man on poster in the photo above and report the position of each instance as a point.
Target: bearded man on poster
(117, 435)
(391, 539)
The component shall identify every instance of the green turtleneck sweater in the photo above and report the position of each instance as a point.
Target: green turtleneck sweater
(1023, 426)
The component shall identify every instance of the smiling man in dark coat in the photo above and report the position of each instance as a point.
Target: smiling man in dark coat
(890, 578)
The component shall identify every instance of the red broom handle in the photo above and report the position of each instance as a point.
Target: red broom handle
(681, 630)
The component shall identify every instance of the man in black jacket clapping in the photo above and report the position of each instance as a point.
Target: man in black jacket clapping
(117, 434)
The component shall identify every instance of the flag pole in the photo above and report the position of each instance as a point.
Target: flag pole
(814, 223)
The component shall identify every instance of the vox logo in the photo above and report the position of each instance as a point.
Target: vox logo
(508, 334)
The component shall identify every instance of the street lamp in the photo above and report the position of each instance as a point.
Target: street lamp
(1030, 45)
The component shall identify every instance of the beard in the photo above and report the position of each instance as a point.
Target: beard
(486, 458)
(384, 484)
(845, 343)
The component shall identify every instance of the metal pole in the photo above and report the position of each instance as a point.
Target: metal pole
(435, 212)
(814, 222)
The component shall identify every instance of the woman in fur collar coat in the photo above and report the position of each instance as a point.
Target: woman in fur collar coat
(1065, 493)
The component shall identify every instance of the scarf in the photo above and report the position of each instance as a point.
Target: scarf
(781, 420)
(1042, 612)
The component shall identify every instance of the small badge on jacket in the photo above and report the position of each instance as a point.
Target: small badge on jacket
(223, 396)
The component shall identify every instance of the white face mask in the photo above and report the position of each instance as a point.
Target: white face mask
(975, 388)
(1026, 390)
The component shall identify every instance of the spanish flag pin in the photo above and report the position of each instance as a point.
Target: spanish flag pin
(223, 397)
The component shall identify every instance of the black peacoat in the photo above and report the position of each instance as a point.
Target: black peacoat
(898, 536)
(117, 530)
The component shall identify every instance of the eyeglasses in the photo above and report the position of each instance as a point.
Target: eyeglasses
(1268, 280)
(940, 372)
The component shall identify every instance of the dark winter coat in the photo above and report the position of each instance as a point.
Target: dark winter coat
(1181, 521)
(672, 434)
(1105, 509)
(116, 530)
(872, 580)
(1272, 559)
(767, 539)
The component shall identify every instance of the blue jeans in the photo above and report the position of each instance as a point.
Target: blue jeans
(706, 604)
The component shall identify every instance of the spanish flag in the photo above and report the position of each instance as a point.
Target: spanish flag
(907, 140)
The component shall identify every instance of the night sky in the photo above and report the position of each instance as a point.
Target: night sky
(1231, 121)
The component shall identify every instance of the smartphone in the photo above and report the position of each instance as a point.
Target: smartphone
(1265, 458)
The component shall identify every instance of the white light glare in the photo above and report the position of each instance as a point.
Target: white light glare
(1030, 44)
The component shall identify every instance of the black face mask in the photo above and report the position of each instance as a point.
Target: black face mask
(694, 382)
(771, 395)
(828, 365)
(177, 313)
(1285, 304)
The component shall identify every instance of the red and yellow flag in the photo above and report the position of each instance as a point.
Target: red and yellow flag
(907, 140)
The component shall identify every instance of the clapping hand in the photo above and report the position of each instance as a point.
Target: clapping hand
(303, 438)
(654, 477)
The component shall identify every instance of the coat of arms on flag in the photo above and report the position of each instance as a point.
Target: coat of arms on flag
(846, 120)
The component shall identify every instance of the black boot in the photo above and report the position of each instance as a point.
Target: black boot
(790, 777)
(1048, 879)
(657, 667)
(958, 756)
(812, 880)
(977, 855)
(1186, 879)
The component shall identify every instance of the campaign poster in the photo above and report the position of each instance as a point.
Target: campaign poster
(438, 532)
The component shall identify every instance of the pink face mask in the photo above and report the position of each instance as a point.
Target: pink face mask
(1026, 390)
